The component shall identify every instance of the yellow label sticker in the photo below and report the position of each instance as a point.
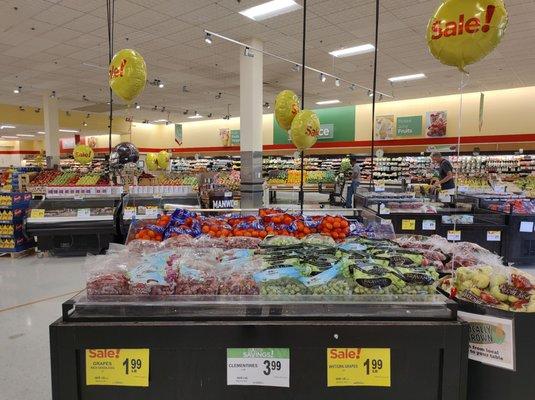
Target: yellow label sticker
(408, 224)
(358, 366)
(117, 367)
(37, 213)
(454, 235)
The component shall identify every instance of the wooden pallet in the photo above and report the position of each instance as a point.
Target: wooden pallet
(19, 254)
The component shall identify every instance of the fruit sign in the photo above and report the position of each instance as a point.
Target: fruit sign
(462, 32)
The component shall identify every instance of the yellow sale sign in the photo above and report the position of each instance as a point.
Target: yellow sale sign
(358, 366)
(117, 367)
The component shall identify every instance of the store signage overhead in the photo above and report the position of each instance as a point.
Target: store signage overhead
(409, 126)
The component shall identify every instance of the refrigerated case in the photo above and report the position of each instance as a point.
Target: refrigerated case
(190, 343)
(70, 227)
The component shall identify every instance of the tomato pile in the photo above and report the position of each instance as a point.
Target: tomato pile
(267, 222)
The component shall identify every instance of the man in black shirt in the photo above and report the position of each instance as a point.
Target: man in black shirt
(445, 172)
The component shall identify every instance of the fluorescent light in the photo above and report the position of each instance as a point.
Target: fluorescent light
(159, 121)
(69, 130)
(270, 9)
(9, 137)
(208, 38)
(41, 133)
(7, 127)
(324, 102)
(407, 77)
(160, 85)
(353, 51)
(195, 116)
(24, 135)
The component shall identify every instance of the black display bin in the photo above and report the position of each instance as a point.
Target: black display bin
(188, 340)
(73, 235)
(519, 246)
(486, 382)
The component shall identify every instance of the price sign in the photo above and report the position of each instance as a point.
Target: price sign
(454, 236)
(258, 367)
(83, 212)
(117, 367)
(379, 188)
(408, 224)
(494, 236)
(358, 366)
(152, 210)
(429, 225)
(525, 226)
(297, 187)
(37, 213)
(129, 212)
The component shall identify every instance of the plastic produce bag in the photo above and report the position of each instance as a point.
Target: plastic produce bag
(329, 282)
(107, 275)
(280, 281)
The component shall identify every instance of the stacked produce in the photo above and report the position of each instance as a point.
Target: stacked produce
(472, 183)
(58, 178)
(517, 206)
(505, 288)
(411, 207)
(293, 177)
(182, 179)
(277, 265)
(230, 180)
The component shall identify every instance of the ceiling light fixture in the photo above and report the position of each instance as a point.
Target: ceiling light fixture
(84, 123)
(161, 85)
(218, 96)
(69, 130)
(352, 87)
(41, 133)
(270, 9)
(21, 108)
(208, 38)
(404, 78)
(209, 115)
(353, 51)
(323, 78)
(25, 135)
(53, 94)
(266, 105)
(138, 106)
(324, 102)
(247, 52)
(337, 82)
(10, 137)
(37, 110)
(155, 108)
(296, 68)
(7, 127)
(196, 116)
(185, 112)
(17, 90)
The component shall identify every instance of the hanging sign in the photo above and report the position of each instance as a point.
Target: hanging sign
(178, 134)
(358, 366)
(235, 137)
(409, 126)
(258, 367)
(117, 367)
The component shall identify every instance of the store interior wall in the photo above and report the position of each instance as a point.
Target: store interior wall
(506, 112)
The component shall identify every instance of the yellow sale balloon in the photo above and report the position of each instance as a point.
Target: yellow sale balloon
(462, 32)
(83, 154)
(305, 129)
(127, 74)
(152, 161)
(163, 159)
(286, 108)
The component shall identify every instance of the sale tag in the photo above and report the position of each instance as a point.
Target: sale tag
(117, 367)
(258, 367)
(37, 213)
(358, 366)
(429, 225)
(408, 224)
(494, 236)
(129, 212)
(454, 236)
(83, 212)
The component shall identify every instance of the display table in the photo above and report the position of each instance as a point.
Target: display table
(284, 187)
(414, 347)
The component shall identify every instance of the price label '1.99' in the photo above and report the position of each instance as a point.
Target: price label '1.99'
(356, 366)
(117, 367)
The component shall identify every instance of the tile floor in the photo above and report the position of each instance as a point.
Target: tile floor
(31, 293)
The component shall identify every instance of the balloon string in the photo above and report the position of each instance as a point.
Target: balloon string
(110, 13)
(301, 187)
(374, 88)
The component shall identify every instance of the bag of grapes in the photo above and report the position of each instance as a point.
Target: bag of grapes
(329, 282)
(280, 281)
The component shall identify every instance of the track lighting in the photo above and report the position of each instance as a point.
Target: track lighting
(88, 115)
(163, 109)
(209, 115)
(247, 52)
(155, 108)
(138, 106)
(160, 85)
(53, 94)
(157, 82)
(337, 82)
(185, 112)
(84, 123)
(218, 96)
(208, 38)
(296, 68)
(84, 98)
(37, 110)
(352, 87)
(323, 78)
(21, 108)
(17, 90)
(266, 105)
(68, 113)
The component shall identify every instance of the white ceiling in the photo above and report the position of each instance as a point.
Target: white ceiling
(62, 45)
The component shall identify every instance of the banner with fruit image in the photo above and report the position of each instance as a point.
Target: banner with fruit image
(462, 32)
(436, 123)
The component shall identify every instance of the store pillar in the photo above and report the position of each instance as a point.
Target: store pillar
(51, 114)
(251, 101)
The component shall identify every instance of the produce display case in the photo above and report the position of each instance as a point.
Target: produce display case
(69, 226)
(189, 343)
